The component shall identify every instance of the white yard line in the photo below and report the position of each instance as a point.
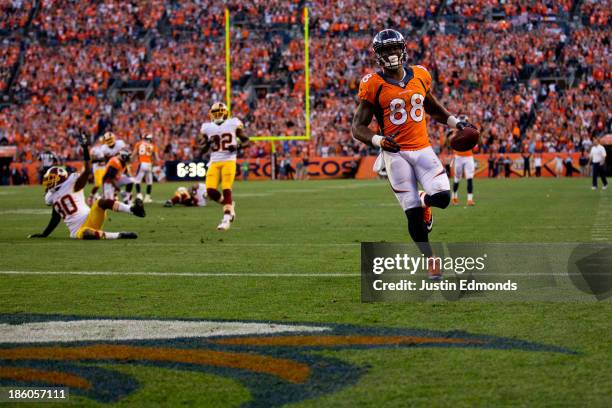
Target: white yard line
(211, 241)
(188, 274)
(250, 275)
(601, 231)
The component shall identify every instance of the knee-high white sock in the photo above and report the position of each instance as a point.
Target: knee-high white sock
(120, 207)
(111, 235)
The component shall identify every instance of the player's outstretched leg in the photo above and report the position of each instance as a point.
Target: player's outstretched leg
(228, 210)
(92, 234)
(229, 204)
(148, 198)
(136, 209)
(128, 193)
(455, 194)
(418, 232)
(439, 200)
(470, 190)
(214, 194)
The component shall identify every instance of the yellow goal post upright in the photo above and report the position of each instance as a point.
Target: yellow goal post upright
(228, 86)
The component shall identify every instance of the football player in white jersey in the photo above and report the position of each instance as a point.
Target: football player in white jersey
(463, 166)
(65, 193)
(112, 145)
(221, 136)
(192, 197)
(99, 165)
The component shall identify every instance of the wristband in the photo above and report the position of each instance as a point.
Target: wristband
(452, 122)
(376, 140)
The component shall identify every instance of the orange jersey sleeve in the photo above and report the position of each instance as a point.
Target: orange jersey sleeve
(423, 75)
(399, 105)
(116, 164)
(368, 87)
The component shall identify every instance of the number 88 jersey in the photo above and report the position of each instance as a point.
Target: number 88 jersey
(399, 105)
(221, 137)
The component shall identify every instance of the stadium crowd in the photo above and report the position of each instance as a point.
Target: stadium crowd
(14, 14)
(529, 84)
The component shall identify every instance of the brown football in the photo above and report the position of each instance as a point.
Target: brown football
(465, 139)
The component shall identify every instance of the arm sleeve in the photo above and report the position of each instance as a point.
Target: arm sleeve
(366, 89)
(53, 222)
(423, 74)
(48, 198)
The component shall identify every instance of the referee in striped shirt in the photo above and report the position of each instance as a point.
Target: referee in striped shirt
(47, 160)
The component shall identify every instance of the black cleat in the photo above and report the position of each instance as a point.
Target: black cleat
(128, 235)
(138, 208)
(168, 204)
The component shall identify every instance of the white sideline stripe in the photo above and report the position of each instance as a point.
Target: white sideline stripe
(212, 241)
(195, 274)
(255, 275)
(602, 226)
(124, 329)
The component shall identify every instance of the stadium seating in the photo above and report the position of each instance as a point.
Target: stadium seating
(139, 67)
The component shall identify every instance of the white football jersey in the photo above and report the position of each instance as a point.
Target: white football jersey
(113, 151)
(97, 155)
(221, 137)
(97, 152)
(69, 204)
(200, 195)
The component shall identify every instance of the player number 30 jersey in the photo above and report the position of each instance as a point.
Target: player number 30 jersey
(399, 105)
(221, 137)
(69, 204)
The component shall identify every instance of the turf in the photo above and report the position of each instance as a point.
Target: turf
(315, 227)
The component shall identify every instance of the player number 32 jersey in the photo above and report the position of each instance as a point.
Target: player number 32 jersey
(399, 105)
(221, 137)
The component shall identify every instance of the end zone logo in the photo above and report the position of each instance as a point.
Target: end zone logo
(275, 361)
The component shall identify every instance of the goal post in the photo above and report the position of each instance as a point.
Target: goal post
(228, 83)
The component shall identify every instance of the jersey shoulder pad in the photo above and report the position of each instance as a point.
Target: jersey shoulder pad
(423, 74)
(205, 126)
(368, 86)
(49, 197)
(69, 183)
(237, 122)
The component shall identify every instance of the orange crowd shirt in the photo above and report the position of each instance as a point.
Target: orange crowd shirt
(398, 105)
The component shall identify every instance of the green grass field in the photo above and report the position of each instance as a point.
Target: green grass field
(312, 230)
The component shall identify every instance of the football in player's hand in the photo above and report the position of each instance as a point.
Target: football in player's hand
(465, 139)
